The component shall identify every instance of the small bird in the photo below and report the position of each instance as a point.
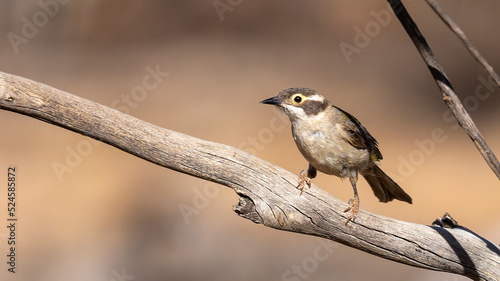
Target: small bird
(335, 143)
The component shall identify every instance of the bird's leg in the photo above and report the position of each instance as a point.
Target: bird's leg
(353, 203)
(305, 178)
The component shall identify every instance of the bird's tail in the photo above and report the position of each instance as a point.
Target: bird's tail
(383, 186)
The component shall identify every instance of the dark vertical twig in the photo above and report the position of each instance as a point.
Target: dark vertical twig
(449, 96)
(461, 35)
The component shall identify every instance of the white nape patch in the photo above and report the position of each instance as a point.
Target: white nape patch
(316, 98)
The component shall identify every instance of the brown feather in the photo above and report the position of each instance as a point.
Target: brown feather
(358, 136)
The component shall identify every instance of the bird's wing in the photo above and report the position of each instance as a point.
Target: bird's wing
(357, 135)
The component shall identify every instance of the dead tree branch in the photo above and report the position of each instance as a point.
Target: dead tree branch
(449, 96)
(461, 35)
(267, 192)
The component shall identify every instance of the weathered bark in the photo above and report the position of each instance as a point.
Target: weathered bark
(267, 192)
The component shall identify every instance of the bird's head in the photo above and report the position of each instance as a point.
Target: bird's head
(299, 103)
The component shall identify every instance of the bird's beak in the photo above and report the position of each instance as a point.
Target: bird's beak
(274, 101)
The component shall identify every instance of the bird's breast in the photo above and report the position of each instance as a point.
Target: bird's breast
(326, 150)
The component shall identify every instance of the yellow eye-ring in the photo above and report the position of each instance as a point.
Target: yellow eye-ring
(298, 99)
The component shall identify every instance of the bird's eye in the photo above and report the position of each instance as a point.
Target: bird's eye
(297, 99)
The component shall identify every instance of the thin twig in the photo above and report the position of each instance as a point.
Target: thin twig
(459, 32)
(449, 96)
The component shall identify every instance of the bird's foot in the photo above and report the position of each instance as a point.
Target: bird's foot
(354, 208)
(303, 180)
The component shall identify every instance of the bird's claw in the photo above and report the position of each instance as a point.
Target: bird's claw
(354, 208)
(303, 180)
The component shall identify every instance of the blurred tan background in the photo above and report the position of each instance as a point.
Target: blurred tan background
(112, 216)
